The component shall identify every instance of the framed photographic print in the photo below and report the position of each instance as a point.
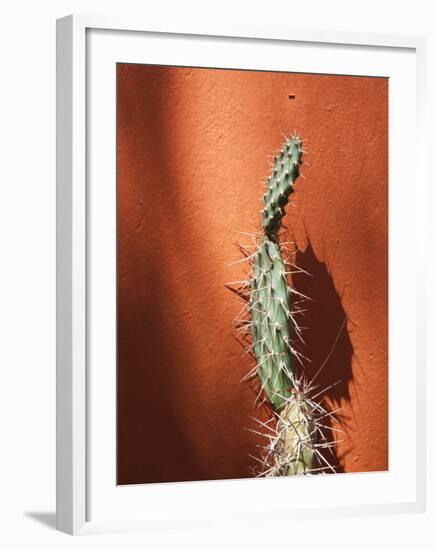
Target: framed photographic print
(235, 208)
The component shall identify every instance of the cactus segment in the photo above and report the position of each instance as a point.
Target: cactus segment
(294, 451)
(271, 330)
(286, 170)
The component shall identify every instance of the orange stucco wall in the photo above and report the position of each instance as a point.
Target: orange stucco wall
(193, 147)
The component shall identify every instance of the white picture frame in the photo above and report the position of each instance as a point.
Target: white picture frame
(76, 471)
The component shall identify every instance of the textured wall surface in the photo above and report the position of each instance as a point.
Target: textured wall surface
(193, 148)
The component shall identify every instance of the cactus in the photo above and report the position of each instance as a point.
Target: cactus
(296, 438)
(270, 295)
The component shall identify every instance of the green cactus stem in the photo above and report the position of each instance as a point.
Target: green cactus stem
(286, 170)
(271, 323)
(271, 328)
(296, 439)
(270, 298)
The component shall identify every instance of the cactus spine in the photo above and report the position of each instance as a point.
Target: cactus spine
(295, 441)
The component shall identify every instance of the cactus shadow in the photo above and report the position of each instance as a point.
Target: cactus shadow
(328, 346)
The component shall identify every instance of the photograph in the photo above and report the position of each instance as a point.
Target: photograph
(252, 274)
(219, 262)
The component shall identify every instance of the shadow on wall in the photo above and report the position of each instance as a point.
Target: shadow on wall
(328, 347)
(152, 445)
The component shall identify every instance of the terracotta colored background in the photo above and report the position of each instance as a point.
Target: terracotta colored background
(193, 147)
